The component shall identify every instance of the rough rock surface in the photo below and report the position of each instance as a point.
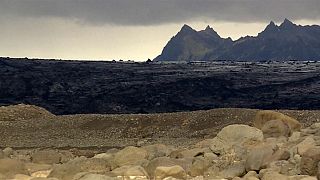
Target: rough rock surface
(66, 87)
(10, 167)
(310, 160)
(46, 157)
(245, 154)
(130, 156)
(262, 117)
(162, 172)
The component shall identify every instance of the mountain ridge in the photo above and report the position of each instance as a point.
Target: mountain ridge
(287, 41)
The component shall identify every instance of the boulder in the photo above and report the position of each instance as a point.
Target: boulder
(46, 157)
(309, 161)
(23, 155)
(204, 143)
(264, 116)
(271, 175)
(161, 161)
(186, 164)
(176, 171)
(66, 156)
(104, 156)
(37, 170)
(8, 152)
(68, 170)
(210, 156)
(300, 177)
(250, 175)
(275, 128)
(308, 178)
(42, 178)
(1, 154)
(199, 166)
(21, 177)
(234, 135)
(91, 176)
(257, 156)
(295, 136)
(212, 172)
(10, 167)
(306, 144)
(158, 150)
(235, 170)
(262, 155)
(239, 133)
(127, 171)
(130, 156)
(42, 174)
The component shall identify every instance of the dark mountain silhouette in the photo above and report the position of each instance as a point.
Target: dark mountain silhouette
(285, 42)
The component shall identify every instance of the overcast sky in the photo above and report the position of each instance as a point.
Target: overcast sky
(131, 29)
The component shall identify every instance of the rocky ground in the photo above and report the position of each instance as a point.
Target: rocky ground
(80, 87)
(215, 144)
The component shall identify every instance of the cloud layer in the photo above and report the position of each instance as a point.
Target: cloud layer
(153, 12)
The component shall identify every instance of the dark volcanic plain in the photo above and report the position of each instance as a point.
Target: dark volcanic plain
(81, 87)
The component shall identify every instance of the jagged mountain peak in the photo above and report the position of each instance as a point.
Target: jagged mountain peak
(287, 24)
(275, 42)
(210, 31)
(187, 28)
(272, 24)
(208, 28)
(271, 29)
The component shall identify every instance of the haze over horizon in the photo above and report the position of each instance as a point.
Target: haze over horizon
(132, 29)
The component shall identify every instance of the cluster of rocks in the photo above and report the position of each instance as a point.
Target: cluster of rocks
(276, 147)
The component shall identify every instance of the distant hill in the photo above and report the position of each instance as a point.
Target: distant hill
(285, 42)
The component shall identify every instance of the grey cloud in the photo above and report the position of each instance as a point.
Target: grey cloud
(150, 12)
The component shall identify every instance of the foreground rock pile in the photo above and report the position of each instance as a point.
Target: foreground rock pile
(276, 147)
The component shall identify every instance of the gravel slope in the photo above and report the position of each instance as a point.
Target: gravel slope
(106, 131)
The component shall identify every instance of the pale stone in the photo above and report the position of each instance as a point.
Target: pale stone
(127, 171)
(295, 136)
(22, 177)
(130, 155)
(172, 171)
(103, 156)
(32, 167)
(234, 135)
(306, 144)
(250, 174)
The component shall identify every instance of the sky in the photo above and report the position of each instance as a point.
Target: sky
(132, 29)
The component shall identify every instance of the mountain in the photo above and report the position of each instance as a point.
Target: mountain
(285, 42)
